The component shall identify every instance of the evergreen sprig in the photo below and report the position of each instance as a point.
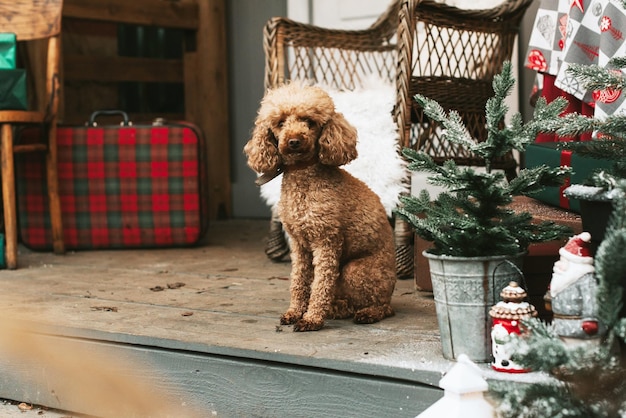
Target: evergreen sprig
(539, 401)
(594, 77)
(610, 267)
(471, 217)
(588, 380)
(609, 142)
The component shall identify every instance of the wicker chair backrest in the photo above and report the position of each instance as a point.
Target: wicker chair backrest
(340, 59)
(451, 55)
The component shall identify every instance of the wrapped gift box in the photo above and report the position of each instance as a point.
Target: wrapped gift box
(548, 153)
(7, 50)
(13, 89)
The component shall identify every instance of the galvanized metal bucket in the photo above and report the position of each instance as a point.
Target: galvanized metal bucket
(464, 289)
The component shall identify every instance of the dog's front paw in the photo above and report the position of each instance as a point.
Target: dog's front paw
(308, 324)
(290, 317)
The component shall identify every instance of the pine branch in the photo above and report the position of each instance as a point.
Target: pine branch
(456, 132)
(471, 217)
(620, 329)
(598, 148)
(540, 348)
(609, 133)
(609, 144)
(594, 77)
(546, 118)
(496, 109)
(539, 401)
(420, 161)
(618, 62)
(611, 128)
(532, 180)
(590, 378)
(610, 264)
(573, 124)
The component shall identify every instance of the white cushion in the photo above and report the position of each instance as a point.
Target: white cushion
(379, 164)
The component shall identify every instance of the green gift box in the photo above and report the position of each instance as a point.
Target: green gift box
(582, 167)
(13, 89)
(7, 50)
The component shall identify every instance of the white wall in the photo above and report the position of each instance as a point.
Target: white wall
(246, 72)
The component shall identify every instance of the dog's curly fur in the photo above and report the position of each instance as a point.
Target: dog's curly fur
(343, 259)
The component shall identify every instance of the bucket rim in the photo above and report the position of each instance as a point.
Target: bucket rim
(432, 256)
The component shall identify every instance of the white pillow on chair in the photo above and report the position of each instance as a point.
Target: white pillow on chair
(379, 164)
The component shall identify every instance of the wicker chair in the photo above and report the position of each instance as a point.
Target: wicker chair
(451, 55)
(445, 53)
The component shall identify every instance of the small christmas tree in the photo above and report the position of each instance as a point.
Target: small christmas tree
(472, 218)
(609, 141)
(590, 381)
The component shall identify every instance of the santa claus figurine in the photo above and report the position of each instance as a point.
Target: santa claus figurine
(573, 291)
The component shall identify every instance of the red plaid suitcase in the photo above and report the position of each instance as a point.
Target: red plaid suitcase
(121, 186)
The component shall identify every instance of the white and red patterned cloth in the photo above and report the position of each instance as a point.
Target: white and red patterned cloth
(582, 32)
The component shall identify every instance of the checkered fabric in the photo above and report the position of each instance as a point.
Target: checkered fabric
(120, 187)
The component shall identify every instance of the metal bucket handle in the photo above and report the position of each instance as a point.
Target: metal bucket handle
(512, 264)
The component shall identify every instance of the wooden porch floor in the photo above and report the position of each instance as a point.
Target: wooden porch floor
(201, 325)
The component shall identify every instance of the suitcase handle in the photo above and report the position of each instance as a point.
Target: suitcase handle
(113, 112)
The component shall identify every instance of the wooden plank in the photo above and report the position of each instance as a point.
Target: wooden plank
(115, 69)
(191, 76)
(135, 118)
(213, 341)
(235, 294)
(81, 98)
(30, 19)
(194, 384)
(169, 14)
(210, 111)
(89, 28)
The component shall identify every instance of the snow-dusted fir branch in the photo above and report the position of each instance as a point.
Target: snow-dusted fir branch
(471, 217)
(572, 124)
(594, 77)
(609, 133)
(610, 266)
(587, 380)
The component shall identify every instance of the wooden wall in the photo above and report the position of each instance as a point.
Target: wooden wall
(93, 71)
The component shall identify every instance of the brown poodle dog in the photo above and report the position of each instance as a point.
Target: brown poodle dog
(342, 247)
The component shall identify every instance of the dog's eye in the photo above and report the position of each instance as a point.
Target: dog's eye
(310, 122)
(280, 123)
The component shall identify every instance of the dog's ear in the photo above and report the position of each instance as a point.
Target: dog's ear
(337, 142)
(262, 150)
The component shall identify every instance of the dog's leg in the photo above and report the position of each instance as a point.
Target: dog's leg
(373, 314)
(300, 288)
(323, 288)
(341, 309)
(369, 282)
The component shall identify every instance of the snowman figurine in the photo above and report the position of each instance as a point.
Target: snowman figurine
(573, 291)
(506, 321)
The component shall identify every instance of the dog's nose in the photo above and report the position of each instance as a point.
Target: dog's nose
(294, 143)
